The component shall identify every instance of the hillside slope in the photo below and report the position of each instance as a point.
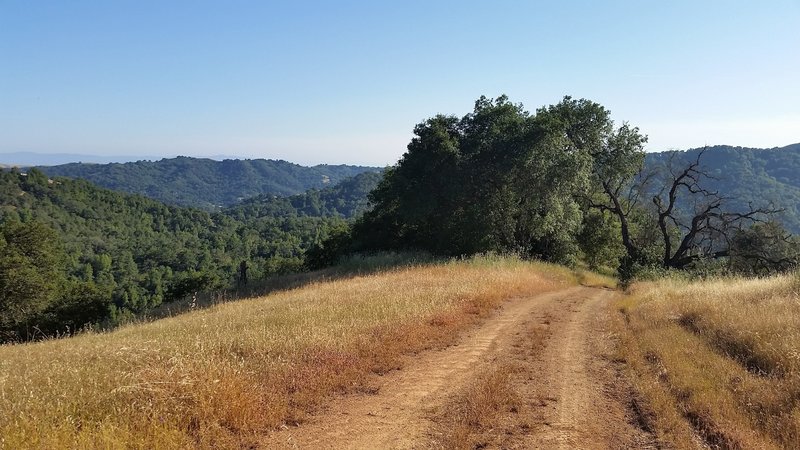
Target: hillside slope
(255, 188)
(206, 183)
(716, 359)
(139, 252)
(346, 199)
(222, 377)
(749, 175)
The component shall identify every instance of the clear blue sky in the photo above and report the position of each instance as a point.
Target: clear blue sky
(345, 82)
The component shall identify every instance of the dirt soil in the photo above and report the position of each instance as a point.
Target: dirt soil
(574, 393)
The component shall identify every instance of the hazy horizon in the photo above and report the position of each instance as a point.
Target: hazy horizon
(346, 82)
(52, 159)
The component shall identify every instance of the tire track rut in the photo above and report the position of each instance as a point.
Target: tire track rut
(571, 404)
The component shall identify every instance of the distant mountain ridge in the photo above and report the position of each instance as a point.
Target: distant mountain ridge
(258, 188)
(30, 159)
(206, 183)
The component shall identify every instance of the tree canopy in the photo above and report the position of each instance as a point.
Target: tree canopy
(497, 179)
(73, 254)
(559, 184)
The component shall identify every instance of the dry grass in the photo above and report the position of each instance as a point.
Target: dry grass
(497, 407)
(220, 377)
(717, 361)
(478, 409)
(594, 279)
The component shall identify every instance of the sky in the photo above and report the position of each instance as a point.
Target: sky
(345, 82)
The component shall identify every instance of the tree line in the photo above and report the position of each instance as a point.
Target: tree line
(563, 184)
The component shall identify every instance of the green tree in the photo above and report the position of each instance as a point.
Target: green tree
(616, 156)
(497, 179)
(31, 274)
(599, 240)
(79, 305)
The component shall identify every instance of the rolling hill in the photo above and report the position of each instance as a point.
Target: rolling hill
(131, 251)
(346, 200)
(258, 188)
(206, 183)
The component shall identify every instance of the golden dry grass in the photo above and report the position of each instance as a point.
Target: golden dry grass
(219, 377)
(478, 409)
(717, 360)
(593, 279)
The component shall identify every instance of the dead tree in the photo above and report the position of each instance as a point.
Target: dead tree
(707, 230)
(687, 234)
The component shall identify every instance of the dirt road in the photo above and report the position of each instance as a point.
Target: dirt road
(573, 394)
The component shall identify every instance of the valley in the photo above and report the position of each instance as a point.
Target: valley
(409, 307)
(399, 225)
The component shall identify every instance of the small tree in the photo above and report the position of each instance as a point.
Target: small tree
(762, 249)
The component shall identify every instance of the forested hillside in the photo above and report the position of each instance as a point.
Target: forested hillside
(206, 183)
(553, 185)
(73, 253)
(278, 188)
(346, 199)
(749, 175)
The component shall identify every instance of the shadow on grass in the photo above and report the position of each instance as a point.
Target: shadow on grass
(353, 266)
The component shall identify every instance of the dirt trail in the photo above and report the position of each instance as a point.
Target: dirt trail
(580, 398)
(574, 397)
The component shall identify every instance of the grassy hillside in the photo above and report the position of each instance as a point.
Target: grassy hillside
(206, 183)
(220, 376)
(717, 360)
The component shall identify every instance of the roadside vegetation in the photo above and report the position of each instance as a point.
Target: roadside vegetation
(563, 184)
(219, 377)
(716, 361)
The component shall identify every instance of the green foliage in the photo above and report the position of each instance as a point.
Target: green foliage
(497, 179)
(748, 176)
(80, 304)
(763, 249)
(73, 254)
(205, 183)
(31, 276)
(328, 251)
(599, 240)
(347, 199)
